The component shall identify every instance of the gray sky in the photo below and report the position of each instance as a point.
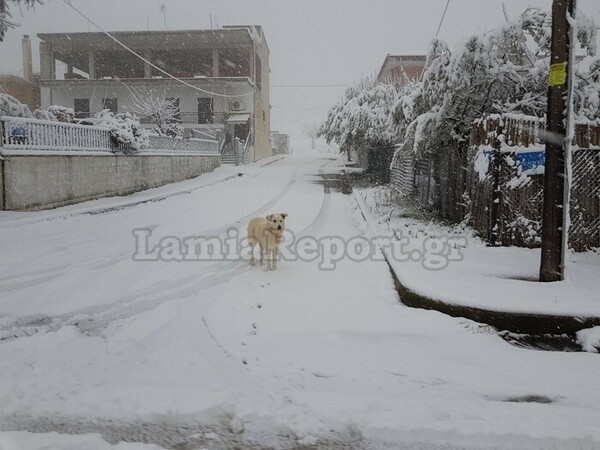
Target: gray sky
(311, 41)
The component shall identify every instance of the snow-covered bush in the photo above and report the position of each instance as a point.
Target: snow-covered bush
(42, 114)
(172, 130)
(10, 106)
(124, 128)
(62, 113)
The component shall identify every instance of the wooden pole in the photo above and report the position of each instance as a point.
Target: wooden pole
(553, 217)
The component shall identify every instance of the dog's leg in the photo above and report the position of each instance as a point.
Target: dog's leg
(262, 253)
(274, 259)
(252, 243)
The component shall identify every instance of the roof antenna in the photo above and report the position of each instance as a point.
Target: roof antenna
(163, 9)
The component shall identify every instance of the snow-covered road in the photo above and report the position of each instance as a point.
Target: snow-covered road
(92, 337)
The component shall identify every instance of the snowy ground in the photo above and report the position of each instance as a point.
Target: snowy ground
(204, 354)
(496, 278)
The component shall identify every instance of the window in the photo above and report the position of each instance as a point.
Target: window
(110, 104)
(206, 113)
(82, 108)
(177, 116)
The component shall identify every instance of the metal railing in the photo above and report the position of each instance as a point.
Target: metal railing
(169, 145)
(23, 136)
(31, 134)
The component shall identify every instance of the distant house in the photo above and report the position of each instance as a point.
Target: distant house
(25, 89)
(280, 143)
(223, 73)
(27, 92)
(396, 69)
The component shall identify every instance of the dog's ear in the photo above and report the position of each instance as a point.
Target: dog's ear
(284, 215)
(269, 217)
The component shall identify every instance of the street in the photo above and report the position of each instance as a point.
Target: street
(109, 325)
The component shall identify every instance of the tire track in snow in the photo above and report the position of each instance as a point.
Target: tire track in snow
(93, 320)
(28, 279)
(322, 216)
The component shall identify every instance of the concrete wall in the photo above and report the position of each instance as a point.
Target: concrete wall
(262, 105)
(41, 182)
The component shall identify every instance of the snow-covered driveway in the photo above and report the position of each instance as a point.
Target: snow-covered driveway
(92, 336)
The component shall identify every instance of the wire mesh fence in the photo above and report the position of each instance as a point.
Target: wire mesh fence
(496, 183)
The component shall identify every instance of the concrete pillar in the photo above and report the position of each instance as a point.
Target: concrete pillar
(47, 62)
(92, 65)
(27, 58)
(69, 71)
(215, 54)
(252, 64)
(147, 66)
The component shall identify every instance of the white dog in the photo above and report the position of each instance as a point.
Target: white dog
(267, 232)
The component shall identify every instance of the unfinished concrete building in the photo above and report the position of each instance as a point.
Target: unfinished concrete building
(222, 77)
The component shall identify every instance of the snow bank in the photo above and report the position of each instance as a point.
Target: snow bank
(589, 339)
(22, 440)
(496, 278)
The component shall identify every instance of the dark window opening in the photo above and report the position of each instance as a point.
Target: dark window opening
(82, 108)
(240, 131)
(206, 114)
(258, 68)
(110, 104)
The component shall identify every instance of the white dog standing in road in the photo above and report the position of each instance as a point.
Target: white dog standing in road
(267, 232)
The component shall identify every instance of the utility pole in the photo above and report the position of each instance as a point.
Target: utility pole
(555, 207)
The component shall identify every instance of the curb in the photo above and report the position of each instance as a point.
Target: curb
(520, 323)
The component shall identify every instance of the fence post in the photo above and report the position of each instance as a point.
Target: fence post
(495, 222)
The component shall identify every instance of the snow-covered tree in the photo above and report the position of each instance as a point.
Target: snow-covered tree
(502, 70)
(162, 110)
(311, 131)
(6, 19)
(360, 119)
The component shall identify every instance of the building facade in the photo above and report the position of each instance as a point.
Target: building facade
(221, 85)
(398, 69)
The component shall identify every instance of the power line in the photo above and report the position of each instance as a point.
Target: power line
(308, 85)
(442, 19)
(437, 32)
(68, 3)
(301, 109)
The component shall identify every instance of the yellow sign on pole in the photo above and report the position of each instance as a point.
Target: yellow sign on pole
(558, 74)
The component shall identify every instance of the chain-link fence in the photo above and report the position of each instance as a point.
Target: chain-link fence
(496, 183)
(507, 188)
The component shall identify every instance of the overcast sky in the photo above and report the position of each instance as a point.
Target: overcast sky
(312, 42)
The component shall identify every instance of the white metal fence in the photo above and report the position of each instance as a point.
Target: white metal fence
(166, 144)
(42, 135)
(24, 136)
